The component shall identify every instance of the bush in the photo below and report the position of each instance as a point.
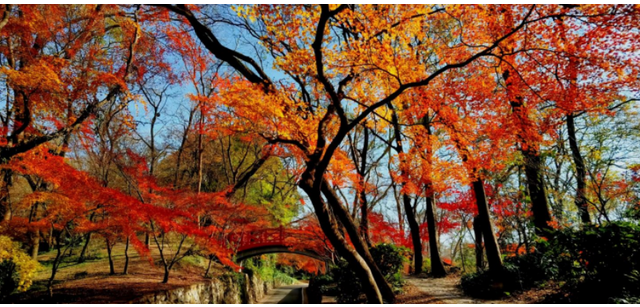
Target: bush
(520, 272)
(348, 283)
(390, 260)
(17, 269)
(599, 263)
(492, 285)
(532, 268)
(321, 285)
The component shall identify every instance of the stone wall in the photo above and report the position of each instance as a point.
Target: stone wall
(222, 290)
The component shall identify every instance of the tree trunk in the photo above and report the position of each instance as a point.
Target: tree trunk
(165, 279)
(414, 229)
(34, 235)
(532, 160)
(330, 229)
(537, 192)
(491, 244)
(56, 263)
(206, 273)
(364, 206)
(362, 249)
(35, 244)
(5, 204)
(581, 174)
(54, 270)
(50, 239)
(112, 270)
(477, 230)
(125, 271)
(437, 268)
(81, 258)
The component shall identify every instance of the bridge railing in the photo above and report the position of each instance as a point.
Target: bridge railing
(294, 239)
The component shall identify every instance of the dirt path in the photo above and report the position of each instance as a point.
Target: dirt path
(446, 291)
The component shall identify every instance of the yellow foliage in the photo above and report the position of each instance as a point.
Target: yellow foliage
(25, 267)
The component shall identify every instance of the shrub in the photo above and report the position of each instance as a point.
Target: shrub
(532, 268)
(390, 260)
(17, 269)
(321, 285)
(348, 283)
(492, 285)
(599, 262)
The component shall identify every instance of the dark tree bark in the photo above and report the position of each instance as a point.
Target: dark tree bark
(330, 229)
(537, 192)
(533, 163)
(112, 270)
(125, 271)
(581, 173)
(491, 244)
(414, 227)
(34, 236)
(361, 248)
(165, 278)
(437, 267)
(364, 206)
(477, 231)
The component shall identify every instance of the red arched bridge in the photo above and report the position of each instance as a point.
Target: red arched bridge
(278, 240)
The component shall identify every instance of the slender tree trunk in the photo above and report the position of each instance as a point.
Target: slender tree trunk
(35, 244)
(35, 234)
(50, 238)
(477, 230)
(112, 270)
(330, 229)
(464, 267)
(414, 229)
(56, 261)
(581, 174)
(165, 279)
(81, 258)
(54, 269)
(364, 220)
(206, 273)
(484, 221)
(437, 267)
(125, 271)
(5, 203)
(364, 206)
(200, 151)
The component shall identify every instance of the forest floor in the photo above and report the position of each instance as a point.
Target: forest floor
(447, 291)
(90, 282)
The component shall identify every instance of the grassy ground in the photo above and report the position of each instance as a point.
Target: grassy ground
(90, 282)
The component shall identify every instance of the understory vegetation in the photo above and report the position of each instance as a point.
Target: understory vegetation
(341, 280)
(592, 264)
